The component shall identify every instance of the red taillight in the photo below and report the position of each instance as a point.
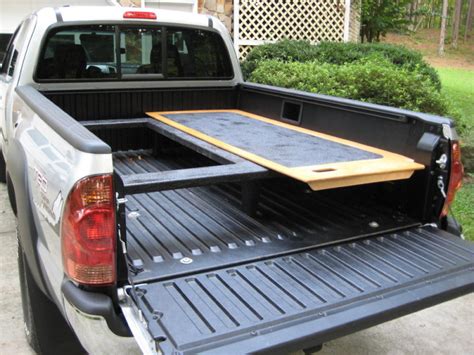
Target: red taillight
(88, 232)
(145, 15)
(455, 177)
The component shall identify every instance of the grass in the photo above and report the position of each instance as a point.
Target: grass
(463, 209)
(458, 86)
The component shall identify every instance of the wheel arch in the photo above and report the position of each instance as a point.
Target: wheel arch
(19, 196)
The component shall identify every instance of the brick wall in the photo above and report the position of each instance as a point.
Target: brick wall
(130, 3)
(222, 9)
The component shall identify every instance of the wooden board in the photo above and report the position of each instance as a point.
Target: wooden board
(326, 162)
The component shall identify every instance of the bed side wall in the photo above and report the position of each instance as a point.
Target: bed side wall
(115, 104)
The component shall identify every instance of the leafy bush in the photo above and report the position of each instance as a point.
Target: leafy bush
(339, 53)
(285, 50)
(373, 79)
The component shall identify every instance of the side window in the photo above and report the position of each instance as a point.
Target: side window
(4, 40)
(87, 52)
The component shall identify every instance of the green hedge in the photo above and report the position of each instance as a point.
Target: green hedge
(374, 79)
(285, 50)
(339, 53)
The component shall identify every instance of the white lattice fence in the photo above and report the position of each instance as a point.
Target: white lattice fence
(260, 21)
(244, 50)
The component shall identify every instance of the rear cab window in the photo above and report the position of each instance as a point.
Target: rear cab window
(79, 53)
(132, 52)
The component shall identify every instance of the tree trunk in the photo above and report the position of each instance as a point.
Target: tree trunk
(413, 17)
(442, 35)
(469, 19)
(457, 22)
(412, 10)
(440, 4)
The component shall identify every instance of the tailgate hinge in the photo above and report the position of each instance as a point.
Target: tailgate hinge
(138, 323)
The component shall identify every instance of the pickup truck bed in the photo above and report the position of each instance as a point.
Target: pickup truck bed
(300, 267)
(174, 230)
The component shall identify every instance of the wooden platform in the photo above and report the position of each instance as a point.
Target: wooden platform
(320, 160)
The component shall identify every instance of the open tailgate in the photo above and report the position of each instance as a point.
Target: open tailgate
(301, 300)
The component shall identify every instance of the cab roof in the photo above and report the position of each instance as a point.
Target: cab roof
(116, 14)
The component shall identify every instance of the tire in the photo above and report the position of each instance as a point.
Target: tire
(3, 169)
(45, 328)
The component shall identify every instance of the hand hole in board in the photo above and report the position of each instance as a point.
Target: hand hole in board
(325, 170)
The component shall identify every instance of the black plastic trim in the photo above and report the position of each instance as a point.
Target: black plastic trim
(59, 17)
(284, 114)
(425, 148)
(451, 225)
(66, 126)
(3, 169)
(95, 304)
(381, 111)
(20, 199)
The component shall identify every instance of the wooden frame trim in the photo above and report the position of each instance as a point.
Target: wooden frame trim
(347, 20)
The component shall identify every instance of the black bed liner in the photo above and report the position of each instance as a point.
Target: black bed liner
(208, 226)
(210, 164)
(304, 299)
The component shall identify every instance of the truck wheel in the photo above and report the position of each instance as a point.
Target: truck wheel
(3, 169)
(46, 330)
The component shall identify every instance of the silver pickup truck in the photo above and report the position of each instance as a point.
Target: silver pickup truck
(135, 236)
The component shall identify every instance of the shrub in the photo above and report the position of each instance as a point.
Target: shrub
(285, 50)
(372, 79)
(339, 53)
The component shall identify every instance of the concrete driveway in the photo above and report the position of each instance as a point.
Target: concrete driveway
(444, 329)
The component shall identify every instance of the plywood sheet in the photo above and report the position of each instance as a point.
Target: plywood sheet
(320, 160)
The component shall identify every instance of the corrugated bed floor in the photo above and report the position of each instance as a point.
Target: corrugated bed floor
(256, 300)
(187, 230)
